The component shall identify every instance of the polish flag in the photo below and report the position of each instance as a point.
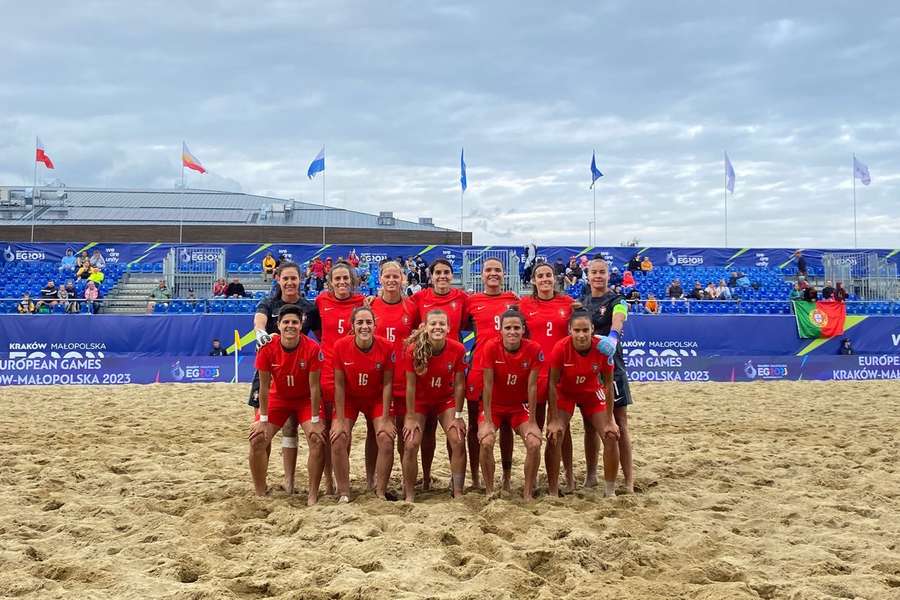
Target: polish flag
(41, 156)
(189, 160)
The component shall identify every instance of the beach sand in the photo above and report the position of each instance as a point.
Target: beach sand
(764, 490)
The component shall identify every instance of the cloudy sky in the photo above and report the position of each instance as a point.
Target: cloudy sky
(658, 89)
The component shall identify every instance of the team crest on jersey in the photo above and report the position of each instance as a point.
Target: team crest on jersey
(524, 364)
(595, 367)
(302, 364)
(321, 356)
(541, 356)
(453, 305)
(377, 366)
(449, 366)
(602, 310)
(562, 313)
(405, 319)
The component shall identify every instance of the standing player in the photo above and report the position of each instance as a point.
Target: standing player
(363, 376)
(265, 323)
(330, 320)
(435, 386)
(580, 375)
(484, 311)
(608, 312)
(288, 368)
(547, 315)
(510, 368)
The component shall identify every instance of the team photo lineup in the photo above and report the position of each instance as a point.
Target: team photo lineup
(397, 360)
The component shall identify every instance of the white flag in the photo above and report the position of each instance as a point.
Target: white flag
(729, 175)
(861, 172)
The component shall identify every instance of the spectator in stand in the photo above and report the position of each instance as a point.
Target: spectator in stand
(743, 281)
(576, 269)
(802, 283)
(697, 292)
(83, 266)
(219, 287)
(317, 270)
(49, 295)
(414, 286)
(646, 265)
(25, 305)
(633, 299)
(796, 292)
(217, 349)
(92, 295)
(96, 276)
(97, 260)
(675, 291)
(628, 280)
(846, 348)
(191, 297)
(327, 266)
(422, 271)
(72, 293)
(840, 293)
(353, 259)
(828, 292)
(559, 268)
(711, 292)
(282, 258)
(651, 306)
(268, 266)
(63, 296)
(634, 264)
(801, 263)
(723, 292)
(732, 281)
(583, 263)
(235, 289)
(810, 294)
(569, 279)
(160, 294)
(67, 264)
(615, 278)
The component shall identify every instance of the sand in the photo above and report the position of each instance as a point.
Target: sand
(770, 490)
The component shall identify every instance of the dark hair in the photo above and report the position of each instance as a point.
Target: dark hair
(284, 266)
(580, 314)
(487, 260)
(343, 264)
(216, 340)
(439, 261)
(359, 309)
(513, 313)
(290, 309)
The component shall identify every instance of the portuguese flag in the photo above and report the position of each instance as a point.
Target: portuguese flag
(820, 319)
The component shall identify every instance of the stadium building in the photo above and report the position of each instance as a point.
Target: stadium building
(191, 216)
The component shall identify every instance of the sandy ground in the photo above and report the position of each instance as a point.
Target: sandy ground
(770, 490)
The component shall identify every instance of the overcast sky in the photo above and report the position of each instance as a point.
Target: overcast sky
(658, 89)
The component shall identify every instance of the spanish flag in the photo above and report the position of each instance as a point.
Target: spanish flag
(189, 160)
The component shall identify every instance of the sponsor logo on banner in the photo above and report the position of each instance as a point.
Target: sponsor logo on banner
(11, 255)
(285, 253)
(765, 371)
(372, 257)
(195, 373)
(762, 260)
(683, 259)
(112, 255)
(639, 348)
(450, 256)
(187, 255)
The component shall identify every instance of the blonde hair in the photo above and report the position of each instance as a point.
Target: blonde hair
(421, 345)
(388, 264)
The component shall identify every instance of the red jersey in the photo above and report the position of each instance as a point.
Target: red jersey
(578, 372)
(363, 369)
(453, 303)
(438, 381)
(334, 317)
(548, 321)
(485, 312)
(290, 369)
(395, 322)
(511, 371)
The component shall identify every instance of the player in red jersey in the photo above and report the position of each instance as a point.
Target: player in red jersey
(547, 315)
(484, 310)
(330, 320)
(435, 386)
(510, 367)
(363, 376)
(581, 375)
(453, 302)
(288, 368)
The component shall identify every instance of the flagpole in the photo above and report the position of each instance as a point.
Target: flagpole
(461, 192)
(593, 237)
(181, 208)
(853, 185)
(726, 207)
(323, 206)
(34, 191)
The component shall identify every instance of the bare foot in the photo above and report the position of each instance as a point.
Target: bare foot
(629, 487)
(329, 486)
(288, 486)
(312, 500)
(590, 480)
(426, 483)
(507, 483)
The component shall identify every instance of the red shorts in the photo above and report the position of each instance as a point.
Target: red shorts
(431, 408)
(514, 415)
(474, 384)
(370, 409)
(590, 404)
(279, 413)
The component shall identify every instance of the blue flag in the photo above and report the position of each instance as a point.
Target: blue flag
(317, 165)
(595, 172)
(462, 169)
(729, 175)
(861, 171)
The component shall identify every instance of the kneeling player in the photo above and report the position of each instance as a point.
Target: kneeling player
(511, 366)
(289, 385)
(581, 375)
(363, 376)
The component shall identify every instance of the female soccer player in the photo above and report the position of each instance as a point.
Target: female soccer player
(288, 369)
(330, 320)
(435, 386)
(265, 323)
(608, 312)
(363, 376)
(484, 311)
(581, 375)
(510, 369)
(547, 315)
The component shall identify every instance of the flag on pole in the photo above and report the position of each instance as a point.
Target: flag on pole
(729, 175)
(317, 165)
(40, 155)
(595, 172)
(860, 171)
(462, 169)
(189, 160)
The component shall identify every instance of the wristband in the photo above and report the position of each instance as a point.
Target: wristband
(263, 418)
(459, 414)
(314, 419)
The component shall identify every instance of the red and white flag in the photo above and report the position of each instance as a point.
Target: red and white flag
(41, 156)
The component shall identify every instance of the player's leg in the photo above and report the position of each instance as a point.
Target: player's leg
(315, 462)
(385, 434)
(412, 441)
(591, 453)
(620, 412)
(474, 447)
(371, 454)
(340, 453)
(259, 456)
(531, 435)
(328, 468)
(554, 447)
(507, 440)
(568, 460)
(456, 438)
(486, 440)
(289, 452)
(429, 445)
